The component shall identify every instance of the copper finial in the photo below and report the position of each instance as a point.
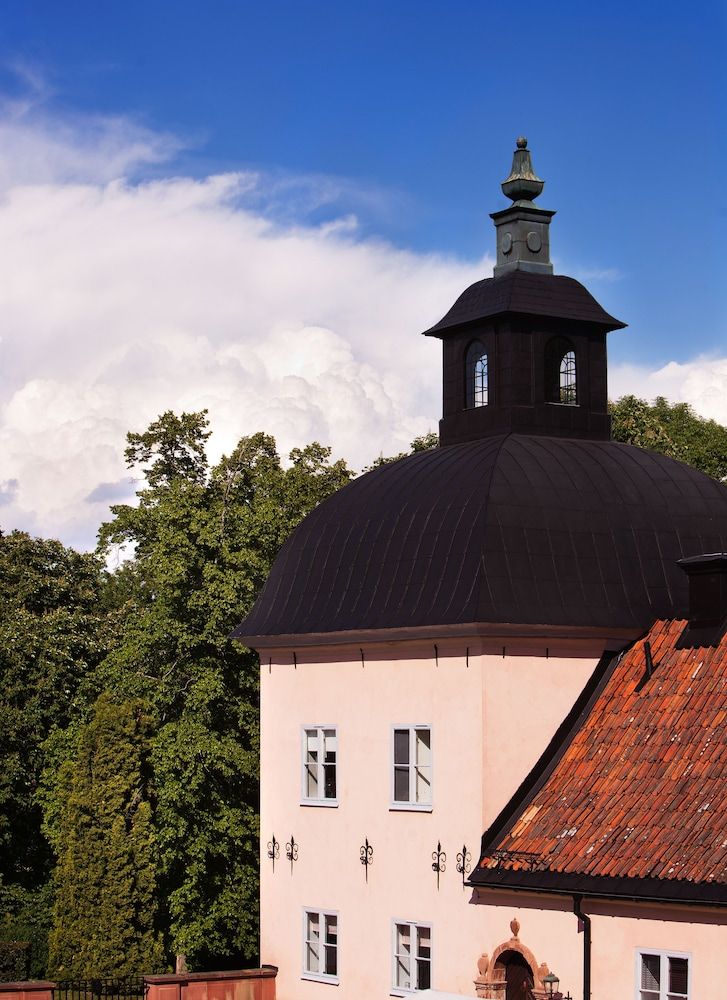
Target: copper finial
(522, 184)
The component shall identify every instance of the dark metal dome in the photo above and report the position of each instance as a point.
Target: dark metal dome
(527, 530)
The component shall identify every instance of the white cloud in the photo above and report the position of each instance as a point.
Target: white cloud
(701, 382)
(120, 299)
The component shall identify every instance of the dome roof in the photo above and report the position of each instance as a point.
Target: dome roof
(527, 530)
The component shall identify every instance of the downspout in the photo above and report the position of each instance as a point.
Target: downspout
(586, 921)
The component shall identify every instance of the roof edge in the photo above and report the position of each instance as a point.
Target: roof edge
(620, 637)
(642, 890)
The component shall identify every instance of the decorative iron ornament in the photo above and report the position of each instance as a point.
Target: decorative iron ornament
(439, 861)
(464, 865)
(530, 861)
(366, 856)
(291, 851)
(273, 850)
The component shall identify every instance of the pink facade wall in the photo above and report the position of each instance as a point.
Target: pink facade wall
(490, 721)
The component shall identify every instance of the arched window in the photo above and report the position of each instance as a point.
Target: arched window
(476, 375)
(567, 380)
(561, 384)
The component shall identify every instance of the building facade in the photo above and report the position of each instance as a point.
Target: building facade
(427, 634)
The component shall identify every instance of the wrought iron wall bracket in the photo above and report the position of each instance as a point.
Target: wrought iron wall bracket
(273, 851)
(366, 856)
(291, 852)
(439, 861)
(464, 863)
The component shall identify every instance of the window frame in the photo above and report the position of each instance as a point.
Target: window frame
(471, 363)
(320, 800)
(396, 805)
(413, 925)
(320, 977)
(664, 954)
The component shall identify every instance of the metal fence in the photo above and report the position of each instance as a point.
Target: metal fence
(125, 988)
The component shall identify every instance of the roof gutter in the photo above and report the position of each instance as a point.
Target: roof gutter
(585, 920)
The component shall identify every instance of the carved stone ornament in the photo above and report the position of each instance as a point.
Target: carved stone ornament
(491, 983)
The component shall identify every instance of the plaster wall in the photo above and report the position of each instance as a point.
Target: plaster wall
(619, 930)
(491, 716)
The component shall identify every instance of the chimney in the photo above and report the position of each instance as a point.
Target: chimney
(707, 576)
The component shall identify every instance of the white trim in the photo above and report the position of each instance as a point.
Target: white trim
(320, 977)
(320, 800)
(664, 956)
(396, 805)
(400, 991)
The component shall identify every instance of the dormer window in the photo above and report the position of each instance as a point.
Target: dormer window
(476, 375)
(561, 385)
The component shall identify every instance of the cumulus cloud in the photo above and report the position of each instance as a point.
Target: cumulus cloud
(122, 296)
(701, 382)
(120, 299)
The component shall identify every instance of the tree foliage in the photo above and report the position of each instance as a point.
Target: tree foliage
(105, 911)
(204, 539)
(52, 637)
(673, 429)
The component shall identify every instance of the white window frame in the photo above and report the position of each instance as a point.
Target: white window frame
(664, 956)
(320, 977)
(411, 806)
(320, 800)
(413, 925)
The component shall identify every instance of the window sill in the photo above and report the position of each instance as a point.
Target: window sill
(320, 803)
(411, 807)
(316, 977)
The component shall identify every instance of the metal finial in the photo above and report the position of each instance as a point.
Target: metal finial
(523, 184)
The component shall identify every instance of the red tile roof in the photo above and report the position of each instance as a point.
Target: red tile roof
(637, 790)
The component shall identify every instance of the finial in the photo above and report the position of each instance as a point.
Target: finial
(523, 184)
(515, 927)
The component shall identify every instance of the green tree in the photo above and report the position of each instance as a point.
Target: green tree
(424, 442)
(673, 429)
(203, 541)
(52, 637)
(105, 910)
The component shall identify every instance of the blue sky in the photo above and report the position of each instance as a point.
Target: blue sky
(623, 104)
(256, 208)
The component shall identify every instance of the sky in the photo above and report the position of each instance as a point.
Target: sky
(258, 208)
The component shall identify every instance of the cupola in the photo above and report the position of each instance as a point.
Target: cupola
(525, 350)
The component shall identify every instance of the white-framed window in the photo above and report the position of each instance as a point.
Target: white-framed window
(319, 761)
(320, 945)
(411, 768)
(412, 956)
(662, 975)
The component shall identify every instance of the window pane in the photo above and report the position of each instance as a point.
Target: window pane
(650, 972)
(312, 950)
(424, 954)
(423, 785)
(329, 767)
(311, 763)
(331, 930)
(331, 968)
(568, 378)
(678, 969)
(401, 784)
(423, 746)
(401, 746)
(402, 963)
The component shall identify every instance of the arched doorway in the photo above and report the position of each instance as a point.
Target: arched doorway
(519, 980)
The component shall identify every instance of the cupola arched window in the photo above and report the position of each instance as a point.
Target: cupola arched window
(561, 381)
(476, 375)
